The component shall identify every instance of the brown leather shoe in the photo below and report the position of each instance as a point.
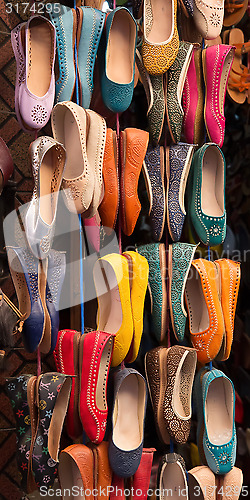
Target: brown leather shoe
(108, 208)
(76, 468)
(155, 369)
(133, 144)
(102, 471)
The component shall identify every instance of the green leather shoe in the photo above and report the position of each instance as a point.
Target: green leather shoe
(180, 257)
(206, 194)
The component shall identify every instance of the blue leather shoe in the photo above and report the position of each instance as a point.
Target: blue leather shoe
(55, 278)
(130, 402)
(64, 20)
(216, 434)
(116, 58)
(90, 26)
(153, 170)
(26, 272)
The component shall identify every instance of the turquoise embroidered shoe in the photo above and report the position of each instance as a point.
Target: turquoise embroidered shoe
(116, 58)
(216, 434)
(206, 194)
(180, 257)
(91, 22)
(178, 162)
(64, 20)
(155, 254)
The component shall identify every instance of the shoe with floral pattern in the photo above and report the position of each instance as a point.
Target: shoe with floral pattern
(153, 170)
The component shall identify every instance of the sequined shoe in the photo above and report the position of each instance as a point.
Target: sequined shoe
(153, 170)
(178, 162)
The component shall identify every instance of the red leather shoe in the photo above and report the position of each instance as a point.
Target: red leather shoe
(141, 478)
(95, 353)
(118, 485)
(66, 359)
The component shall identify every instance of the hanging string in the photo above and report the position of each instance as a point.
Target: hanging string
(119, 173)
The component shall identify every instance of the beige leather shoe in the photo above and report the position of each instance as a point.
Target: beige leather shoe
(230, 485)
(208, 17)
(201, 483)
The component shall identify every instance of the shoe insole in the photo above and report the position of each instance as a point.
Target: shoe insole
(126, 432)
(173, 483)
(110, 310)
(69, 476)
(219, 411)
(212, 195)
(101, 402)
(40, 53)
(162, 20)
(198, 313)
(50, 179)
(72, 144)
(120, 51)
(183, 388)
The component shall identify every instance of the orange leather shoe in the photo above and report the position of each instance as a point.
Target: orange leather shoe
(133, 143)
(229, 281)
(76, 468)
(102, 470)
(206, 322)
(108, 208)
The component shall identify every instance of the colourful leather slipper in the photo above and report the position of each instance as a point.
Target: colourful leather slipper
(234, 11)
(66, 356)
(178, 162)
(102, 470)
(229, 279)
(53, 392)
(130, 402)
(79, 178)
(216, 60)
(133, 143)
(206, 322)
(175, 82)
(95, 354)
(180, 256)
(202, 480)
(108, 209)
(231, 482)
(138, 272)
(89, 30)
(206, 194)
(65, 22)
(192, 100)
(156, 256)
(111, 278)
(76, 468)
(155, 369)
(21, 393)
(172, 476)
(214, 395)
(153, 171)
(141, 479)
(116, 57)
(180, 371)
(208, 18)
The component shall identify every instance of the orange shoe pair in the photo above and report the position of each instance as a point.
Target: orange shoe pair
(211, 296)
(133, 147)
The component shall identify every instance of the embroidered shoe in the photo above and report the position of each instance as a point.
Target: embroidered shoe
(172, 476)
(89, 31)
(214, 395)
(208, 18)
(217, 62)
(178, 162)
(229, 282)
(66, 356)
(156, 256)
(108, 208)
(160, 36)
(47, 158)
(133, 143)
(206, 194)
(65, 22)
(21, 393)
(202, 479)
(192, 100)
(130, 402)
(77, 461)
(180, 257)
(95, 354)
(175, 82)
(153, 170)
(116, 58)
(206, 322)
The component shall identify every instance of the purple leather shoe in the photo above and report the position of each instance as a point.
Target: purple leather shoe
(34, 46)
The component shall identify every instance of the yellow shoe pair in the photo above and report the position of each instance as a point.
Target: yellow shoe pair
(121, 284)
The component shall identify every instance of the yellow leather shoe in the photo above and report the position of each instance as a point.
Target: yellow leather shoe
(111, 278)
(138, 273)
(160, 36)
